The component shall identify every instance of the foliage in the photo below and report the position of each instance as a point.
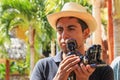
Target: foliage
(87, 4)
(33, 13)
(2, 71)
(28, 13)
(16, 67)
(20, 67)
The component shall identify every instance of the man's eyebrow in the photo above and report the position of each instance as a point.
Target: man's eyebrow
(57, 27)
(71, 26)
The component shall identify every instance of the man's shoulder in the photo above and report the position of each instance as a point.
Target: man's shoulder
(104, 69)
(45, 60)
(102, 73)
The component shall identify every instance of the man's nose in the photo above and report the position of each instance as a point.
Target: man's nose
(65, 35)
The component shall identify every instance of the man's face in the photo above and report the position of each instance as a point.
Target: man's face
(69, 28)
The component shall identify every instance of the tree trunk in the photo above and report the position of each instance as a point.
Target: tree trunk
(116, 24)
(32, 50)
(7, 69)
(110, 32)
(53, 49)
(97, 38)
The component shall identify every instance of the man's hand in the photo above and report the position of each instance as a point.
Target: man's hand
(83, 72)
(69, 64)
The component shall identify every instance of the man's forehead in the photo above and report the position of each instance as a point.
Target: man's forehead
(63, 19)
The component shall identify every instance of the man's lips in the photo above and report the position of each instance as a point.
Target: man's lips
(63, 44)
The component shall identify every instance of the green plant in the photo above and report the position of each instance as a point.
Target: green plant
(2, 71)
(19, 67)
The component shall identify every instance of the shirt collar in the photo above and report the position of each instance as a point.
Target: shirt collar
(58, 57)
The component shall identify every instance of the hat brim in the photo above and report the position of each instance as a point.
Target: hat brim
(86, 17)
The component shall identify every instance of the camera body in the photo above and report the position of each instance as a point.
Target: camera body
(92, 55)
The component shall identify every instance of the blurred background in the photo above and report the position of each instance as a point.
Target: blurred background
(26, 36)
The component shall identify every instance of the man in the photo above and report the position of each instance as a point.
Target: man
(72, 22)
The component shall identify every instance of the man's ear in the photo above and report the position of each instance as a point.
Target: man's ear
(86, 33)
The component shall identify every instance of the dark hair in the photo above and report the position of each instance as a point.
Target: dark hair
(81, 22)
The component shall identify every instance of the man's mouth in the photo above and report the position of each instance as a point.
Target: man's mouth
(63, 44)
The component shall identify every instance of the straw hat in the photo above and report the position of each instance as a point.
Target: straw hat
(74, 10)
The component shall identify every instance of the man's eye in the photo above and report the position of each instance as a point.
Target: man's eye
(59, 30)
(71, 29)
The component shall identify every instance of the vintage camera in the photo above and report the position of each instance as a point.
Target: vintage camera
(92, 55)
